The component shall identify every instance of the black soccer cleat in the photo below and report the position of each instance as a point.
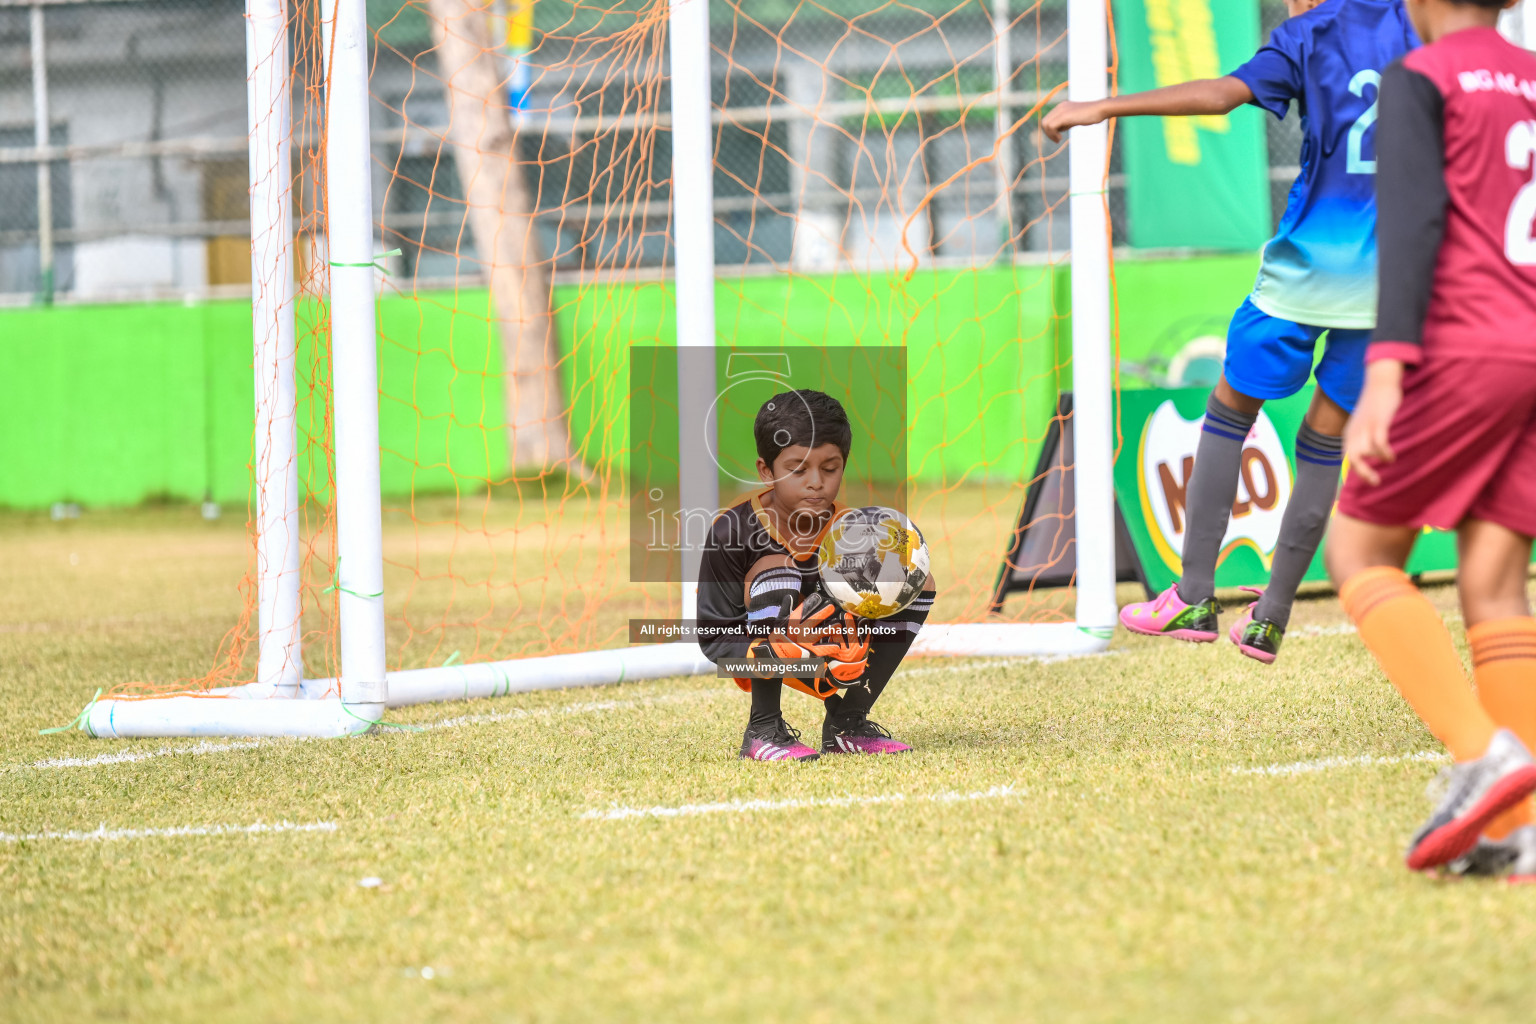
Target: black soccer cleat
(774, 741)
(858, 735)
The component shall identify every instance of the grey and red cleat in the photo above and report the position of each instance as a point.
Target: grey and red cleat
(858, 736)
(774, 741)
(1513, 857)
(1522, 870)
(1476, 792)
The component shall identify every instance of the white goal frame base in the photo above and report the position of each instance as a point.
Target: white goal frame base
(257, 709)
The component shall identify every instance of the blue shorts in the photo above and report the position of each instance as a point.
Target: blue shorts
(1272, 358)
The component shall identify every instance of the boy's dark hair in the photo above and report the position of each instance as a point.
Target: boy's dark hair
(801, 417)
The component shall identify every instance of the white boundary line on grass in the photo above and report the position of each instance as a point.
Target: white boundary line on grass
(510, 715)
(1323, 764)
(104, 833)
(1339, 629)
(619, 813)
(125, 756)
(746, 806)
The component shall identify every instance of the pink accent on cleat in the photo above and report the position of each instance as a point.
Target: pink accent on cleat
(1155, 617)
(1235, 634)
(761, 750)
(867, 745)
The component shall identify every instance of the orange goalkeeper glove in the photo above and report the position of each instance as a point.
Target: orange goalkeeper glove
(817, 628)
(815, 634)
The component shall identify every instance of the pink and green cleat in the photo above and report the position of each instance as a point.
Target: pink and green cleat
(1167, 614)
(1259, 639)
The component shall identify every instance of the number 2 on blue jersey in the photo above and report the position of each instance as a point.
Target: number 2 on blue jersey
(1357, 163)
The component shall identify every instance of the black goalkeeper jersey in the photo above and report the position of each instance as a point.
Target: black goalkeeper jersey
(738, 537)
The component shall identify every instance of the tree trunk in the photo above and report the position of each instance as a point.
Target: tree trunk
(500, 217)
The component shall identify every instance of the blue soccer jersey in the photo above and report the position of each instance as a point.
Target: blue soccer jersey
(1320, 268)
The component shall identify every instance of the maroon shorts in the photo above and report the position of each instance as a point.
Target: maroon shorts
(1465, 441)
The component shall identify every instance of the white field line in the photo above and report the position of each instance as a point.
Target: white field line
(104, 833)
(123, 756)
(971, 665)
(590, 707)
(617, 813)
(510, 715)
(748, 806)
(1324, 764)
(1341, 629)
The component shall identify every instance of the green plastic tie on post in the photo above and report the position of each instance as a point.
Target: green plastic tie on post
(456, 658)
(78, 722)
(379, 723)
(336, 584)
(374, 263)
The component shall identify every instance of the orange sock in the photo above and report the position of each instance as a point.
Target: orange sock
(1504, 668)
(1403, 630)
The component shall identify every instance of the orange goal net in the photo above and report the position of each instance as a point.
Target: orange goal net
(879, 184)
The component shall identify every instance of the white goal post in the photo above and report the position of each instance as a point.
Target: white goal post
(280, 702)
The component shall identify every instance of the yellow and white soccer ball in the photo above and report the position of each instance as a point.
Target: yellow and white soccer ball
(874, 561)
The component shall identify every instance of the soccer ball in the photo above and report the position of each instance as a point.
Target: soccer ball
(874, 561)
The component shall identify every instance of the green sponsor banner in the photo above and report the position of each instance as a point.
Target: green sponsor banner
(1161, 430)
(1199, 182)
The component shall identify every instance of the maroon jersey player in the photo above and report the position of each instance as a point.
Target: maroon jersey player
(1445, 431)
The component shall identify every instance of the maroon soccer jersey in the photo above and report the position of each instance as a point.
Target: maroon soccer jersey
(1456, 211)
(1456, 200)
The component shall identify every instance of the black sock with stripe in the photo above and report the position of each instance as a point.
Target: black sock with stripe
(886, 652)
(767, 703)
(1318, 457)
(1209, 496)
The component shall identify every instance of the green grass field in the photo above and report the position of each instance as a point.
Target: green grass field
(1090, 839)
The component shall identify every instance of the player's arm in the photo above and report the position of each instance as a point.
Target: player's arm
(1410, 222)
(722, 633)
(1203, 96)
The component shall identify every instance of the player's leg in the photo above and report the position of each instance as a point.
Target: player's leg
(1452, 437)
(773, 589)
(1319, 454)
(1495, 555)
(1456, 425)
(848, 728)
(1494, 564)
(1188, 609)
(1403, 630)
(1266, 358)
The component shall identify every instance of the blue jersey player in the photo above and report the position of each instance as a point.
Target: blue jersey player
(1317, 279)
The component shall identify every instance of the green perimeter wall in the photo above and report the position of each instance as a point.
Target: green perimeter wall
(120, 404)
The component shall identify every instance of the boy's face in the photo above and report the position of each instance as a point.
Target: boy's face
(1295, 7)
(1432, 18)
(805, 482)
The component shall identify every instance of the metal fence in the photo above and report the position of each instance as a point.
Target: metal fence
(123, 161)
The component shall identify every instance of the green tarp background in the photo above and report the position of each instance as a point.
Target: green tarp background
(1197, 182)
(119, 404)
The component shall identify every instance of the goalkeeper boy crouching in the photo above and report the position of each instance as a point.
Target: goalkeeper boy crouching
(760, 594)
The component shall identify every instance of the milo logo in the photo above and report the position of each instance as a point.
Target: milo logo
(1166, 461)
